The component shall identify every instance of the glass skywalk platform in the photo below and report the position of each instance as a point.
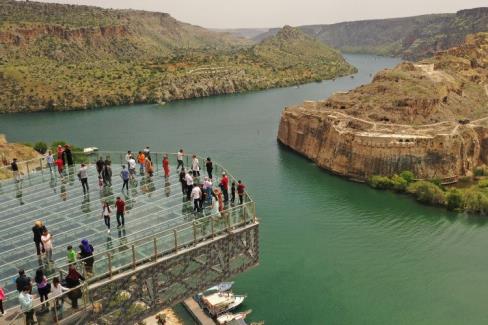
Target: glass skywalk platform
(158, 217)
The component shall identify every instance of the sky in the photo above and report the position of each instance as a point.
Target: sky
(276, 13)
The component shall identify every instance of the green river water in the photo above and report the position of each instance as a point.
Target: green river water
(332, 251)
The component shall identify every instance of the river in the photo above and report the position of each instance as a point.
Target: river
(332, 251)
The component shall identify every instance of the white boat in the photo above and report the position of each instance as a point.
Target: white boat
(221, 287)
(229, 317)
(90, 150)
(221, 302)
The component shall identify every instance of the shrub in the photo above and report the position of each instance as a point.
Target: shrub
(399, 183)
(40, 147)
(483, 183)
(380, 182)
(481, 171)
(407, 175)
(475, 202)
(427, 192)
(464, 180)
(454, 199)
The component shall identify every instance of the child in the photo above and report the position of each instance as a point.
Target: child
(71, 255)
(2, 296)
(100, 182)
(233, 192)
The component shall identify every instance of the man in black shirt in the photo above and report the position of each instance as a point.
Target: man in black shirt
(15, 169)
(23, 281)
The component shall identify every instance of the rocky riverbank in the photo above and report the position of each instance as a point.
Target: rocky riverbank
(428, 117)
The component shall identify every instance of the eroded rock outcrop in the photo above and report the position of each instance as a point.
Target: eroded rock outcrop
(430, 117)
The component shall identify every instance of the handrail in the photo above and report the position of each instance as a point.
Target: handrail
(51, 302)
(150, 239)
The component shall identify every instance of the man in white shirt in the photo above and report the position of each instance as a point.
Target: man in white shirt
(179, 158)
(195, 166)
(196, 195)
(83, 177)
(132, 167)
(128, 155)
(189, 185)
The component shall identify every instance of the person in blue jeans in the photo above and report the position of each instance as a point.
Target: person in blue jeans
(124, 174)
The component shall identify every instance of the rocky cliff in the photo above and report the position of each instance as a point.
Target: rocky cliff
(408, 37)
(63, 57)
(429, 117)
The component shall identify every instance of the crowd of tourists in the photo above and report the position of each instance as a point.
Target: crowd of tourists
(200, 192)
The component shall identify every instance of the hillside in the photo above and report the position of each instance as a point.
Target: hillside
(9, 151)
(63, 57)
(410, 37)
(429, 117)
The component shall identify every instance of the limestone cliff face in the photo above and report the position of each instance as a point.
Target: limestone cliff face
(333, 143)
(420, 117)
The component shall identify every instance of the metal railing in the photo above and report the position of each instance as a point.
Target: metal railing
(165, 243)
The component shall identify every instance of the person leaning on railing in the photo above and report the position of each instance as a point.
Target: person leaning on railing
(57, 292)
(72, 281)
(26, 303)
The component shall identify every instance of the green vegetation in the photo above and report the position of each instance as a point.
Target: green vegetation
(427, 192)
(60, 57)
(470, 197)
(40, 147)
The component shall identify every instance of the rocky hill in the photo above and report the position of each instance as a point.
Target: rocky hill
(62, 57)
(410, 37)
(429, 117)
(9, 151)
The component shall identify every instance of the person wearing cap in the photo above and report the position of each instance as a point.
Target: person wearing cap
(224, 185)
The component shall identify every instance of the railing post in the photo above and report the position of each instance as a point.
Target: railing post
(194, 233)
(227, 220)
(56, 310)
(133, 256)
(109, 256)
(212, 226)
(176, 239)
(243, 207)
(155, 249)
(40, 164)
(28, 171)
(254, 213)
(85, 295)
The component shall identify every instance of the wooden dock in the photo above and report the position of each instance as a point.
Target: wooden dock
(197, 313)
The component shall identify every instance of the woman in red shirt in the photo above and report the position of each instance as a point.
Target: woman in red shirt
(60, 164)
(166, 166)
